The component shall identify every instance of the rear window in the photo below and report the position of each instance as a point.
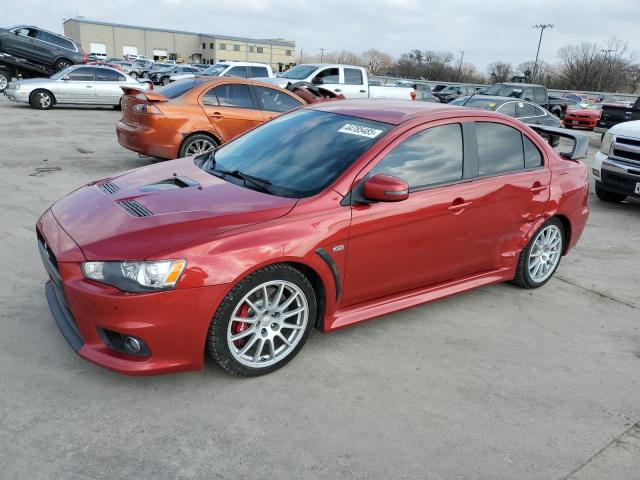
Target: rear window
(352, 76)
(258, 72)
(175, 89)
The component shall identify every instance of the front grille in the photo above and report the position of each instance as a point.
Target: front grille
(135, 209)
(109, 188)
(634, 156)
(628, 141)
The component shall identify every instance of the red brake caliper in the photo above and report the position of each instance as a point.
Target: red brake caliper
(238, 327)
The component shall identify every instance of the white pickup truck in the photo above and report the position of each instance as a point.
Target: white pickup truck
(616, 167)
(348, 80)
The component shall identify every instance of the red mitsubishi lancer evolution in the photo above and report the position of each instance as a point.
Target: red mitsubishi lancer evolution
(327, 216)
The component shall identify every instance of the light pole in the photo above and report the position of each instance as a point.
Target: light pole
(322, 54)
(606, 58)
(542, 27)
(460, 65)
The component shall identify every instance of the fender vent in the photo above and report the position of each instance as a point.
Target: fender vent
(109, 188)
(134, 208)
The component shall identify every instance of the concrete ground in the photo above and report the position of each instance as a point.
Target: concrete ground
(498, 383)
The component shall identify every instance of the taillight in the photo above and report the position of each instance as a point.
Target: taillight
(413, 95)
(85, 58)
(147, 108)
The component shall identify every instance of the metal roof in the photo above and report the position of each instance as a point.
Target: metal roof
(271, 41)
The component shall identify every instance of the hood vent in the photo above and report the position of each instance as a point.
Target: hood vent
(134, 208)
(170, 184)
(109, 188)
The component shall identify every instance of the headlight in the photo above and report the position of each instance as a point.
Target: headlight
(605, 145)
(136, 276)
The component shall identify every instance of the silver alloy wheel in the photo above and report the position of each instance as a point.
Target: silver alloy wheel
(198, 146)
(267, 324)
(545, 253)
(165, 81)
(64, 64)
(44, 99)
(3, 83)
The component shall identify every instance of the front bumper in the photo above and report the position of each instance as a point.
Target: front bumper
(173, 324)
(615, 176)
(21, 96)
(580, 122)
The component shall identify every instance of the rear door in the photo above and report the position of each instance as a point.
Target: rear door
(510, 194)
(108, 83)
(231, 109)
(353, 83)
(275, 101)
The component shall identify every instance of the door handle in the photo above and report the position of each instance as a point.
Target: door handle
(458, 205)
(337, 90)
(215, 115)
(88, 86)
(363, 91)
(538, 187)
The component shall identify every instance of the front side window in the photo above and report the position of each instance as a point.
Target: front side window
(106, 75)
(237, 72)
(528, 94)
(26, 32)
(312, 150)
(499, 148)
(329, 75)
(352, 76)
(276, 101)
(234, 95)
(82, 74)
(430, 157)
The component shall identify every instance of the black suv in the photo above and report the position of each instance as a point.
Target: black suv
(41, 46)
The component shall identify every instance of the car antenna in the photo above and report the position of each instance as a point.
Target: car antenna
(469, 98)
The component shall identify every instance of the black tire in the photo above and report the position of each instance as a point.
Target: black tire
(217, 346)
(190, 140)
(5, 78)
(61, 64)
(38, 99)
(133, 74)
(557, 112)
(164, 81)
(609, 197)
(522, 277)
(119, 106)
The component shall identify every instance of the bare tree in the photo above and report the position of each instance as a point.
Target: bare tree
(376, 62)
(500, 72)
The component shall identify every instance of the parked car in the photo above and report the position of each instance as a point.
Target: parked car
(614, 114)
(452, 92)
(130, 68)
(422, 89)
(162, 75)
(324, 217)
(438, 88)
(41, 46)
(616, 167)
(347, 80)
(584, 115)
(192, 116)
(527, 91)
(527, 112)
(78, 84)
(230, 69)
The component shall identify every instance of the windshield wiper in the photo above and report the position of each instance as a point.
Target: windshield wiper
(261, 183)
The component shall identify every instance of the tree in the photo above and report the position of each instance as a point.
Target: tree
(500, 72)
(376, 62)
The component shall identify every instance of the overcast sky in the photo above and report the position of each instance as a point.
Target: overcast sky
(487, 30)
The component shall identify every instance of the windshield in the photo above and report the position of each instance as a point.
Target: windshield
(178, 88)
(476, 102)
(62, 73)
(299, 72)
(300, 153)
(500, 90)
(215, 70)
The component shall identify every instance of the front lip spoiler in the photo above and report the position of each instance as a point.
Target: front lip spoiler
(63, 318)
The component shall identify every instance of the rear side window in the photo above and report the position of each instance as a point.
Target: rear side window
(429, 157)
(233, 95)
(539, 95)
(527, 110)
(237, 72)
(499, 148)
(532, 156)
(105, 75)
(508, 108)
(276, 101)
(210, 98)
(255, 72)
(352, 76)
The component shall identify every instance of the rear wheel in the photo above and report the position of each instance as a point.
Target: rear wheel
(133, 74)
(61, 64)
(42, 99)
(196, 144)
(541, 257)
(5, 78)
(263, 322)
(607, 196)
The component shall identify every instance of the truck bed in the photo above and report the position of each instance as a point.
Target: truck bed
(614, 114)
(22, 67)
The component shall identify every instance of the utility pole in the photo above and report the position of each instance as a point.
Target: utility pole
(460, 65)
(301, 50)
(322, 54)
(542, 27)
(606, 58)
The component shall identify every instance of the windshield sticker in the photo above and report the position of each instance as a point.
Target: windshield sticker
(360, 130)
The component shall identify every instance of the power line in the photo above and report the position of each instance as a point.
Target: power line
(542, 28)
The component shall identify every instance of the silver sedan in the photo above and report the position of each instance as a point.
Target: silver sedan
(78, 84)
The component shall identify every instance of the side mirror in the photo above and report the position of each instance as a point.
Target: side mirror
(65, 78)
(385, 188)
(317, 80)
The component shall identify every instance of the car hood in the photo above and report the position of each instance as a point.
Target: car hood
(32, 81)
(627, 129)
(144, 211)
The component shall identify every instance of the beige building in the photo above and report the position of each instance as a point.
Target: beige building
(115, 40)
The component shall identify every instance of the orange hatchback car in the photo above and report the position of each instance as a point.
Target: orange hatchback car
(191, 116)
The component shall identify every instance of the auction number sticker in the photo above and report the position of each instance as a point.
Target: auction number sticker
(359, 130)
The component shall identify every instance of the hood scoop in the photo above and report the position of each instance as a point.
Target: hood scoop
(134, 208)
(172, 183)
(109, 188)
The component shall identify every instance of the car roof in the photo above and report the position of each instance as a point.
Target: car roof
(240, 64)
(206, 80)
(393, 112)
(516, 84)
(497, 99)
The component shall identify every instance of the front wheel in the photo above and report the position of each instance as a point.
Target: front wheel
(41, 99)
(263, 322)
(541, 257)
(5, 78)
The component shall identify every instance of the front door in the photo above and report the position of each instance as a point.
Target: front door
(231, 109)
(328, 78)
(78, 86)
(399, 246)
